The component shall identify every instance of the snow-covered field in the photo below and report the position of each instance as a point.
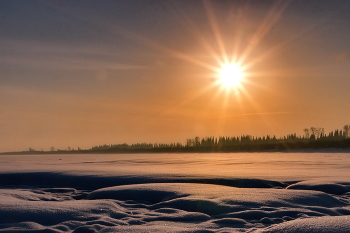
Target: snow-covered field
(223, 192)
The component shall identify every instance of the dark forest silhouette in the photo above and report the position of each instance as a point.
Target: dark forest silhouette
(313, 138)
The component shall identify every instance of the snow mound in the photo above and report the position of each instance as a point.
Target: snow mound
(337, 224)
(323, 186)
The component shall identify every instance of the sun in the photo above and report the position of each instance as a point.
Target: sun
(230, 75)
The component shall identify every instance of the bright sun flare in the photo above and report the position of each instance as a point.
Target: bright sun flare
(230, 75)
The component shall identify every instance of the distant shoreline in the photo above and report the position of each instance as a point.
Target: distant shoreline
(135, 151)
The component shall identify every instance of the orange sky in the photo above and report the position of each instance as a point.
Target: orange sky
(107, 72)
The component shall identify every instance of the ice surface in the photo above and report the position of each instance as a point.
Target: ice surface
(248, 192)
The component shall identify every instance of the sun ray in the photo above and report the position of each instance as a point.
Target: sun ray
(272, 18)
(162, 48)
(215, 27)
(195, 32)
(121, 31)
(239, 35)
(283, 45)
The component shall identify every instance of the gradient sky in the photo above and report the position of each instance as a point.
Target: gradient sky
(86, 73)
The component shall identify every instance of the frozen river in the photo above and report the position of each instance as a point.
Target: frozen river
(280, 166)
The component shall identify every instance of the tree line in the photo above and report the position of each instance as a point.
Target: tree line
(313, 138)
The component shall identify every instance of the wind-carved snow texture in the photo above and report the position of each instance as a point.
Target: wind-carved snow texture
(89, 200)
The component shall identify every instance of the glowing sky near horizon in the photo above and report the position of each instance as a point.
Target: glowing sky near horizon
(85, 73)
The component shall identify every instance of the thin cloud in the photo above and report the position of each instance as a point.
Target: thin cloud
(255, 113)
